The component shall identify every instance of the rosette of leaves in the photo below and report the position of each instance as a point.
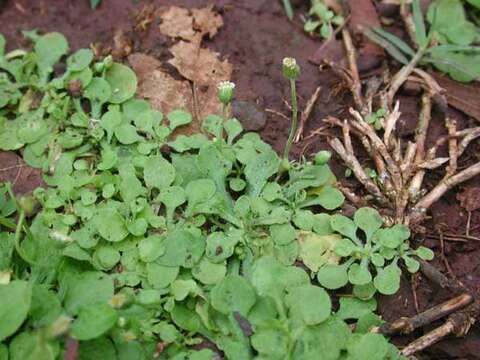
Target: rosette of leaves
(322, 19)
(365, 254)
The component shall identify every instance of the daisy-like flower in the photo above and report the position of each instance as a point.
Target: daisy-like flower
(290, 68)
(225, 91)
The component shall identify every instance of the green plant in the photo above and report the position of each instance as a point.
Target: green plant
(352, 258)
(127, 247)
(447, 45)
(322, 19)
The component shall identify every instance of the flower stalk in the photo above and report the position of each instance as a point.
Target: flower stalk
(291, 71)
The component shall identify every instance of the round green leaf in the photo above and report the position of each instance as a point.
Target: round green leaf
(93, 321)
(151, 248)
(359, 275)
(126, 134)
(110, 224)
(137, 227)
(310, 303)
(364, 292)
(158, 172)
(367, 347)
(50, 48)
(98, 90)
(178, 118)
(332, 277)
(122, 81)
(394, 236)
(330, 198)
(344, 247)
(199, 191)
(283, 234)
(208, 272)
(387, 280)
(160, 276)
(233, 293)
(107, 256)
(80, 60)
(15, 299)
(369, 220)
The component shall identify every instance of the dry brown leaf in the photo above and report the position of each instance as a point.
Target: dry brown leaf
(205, 69)
(199, 65)
(177, 22)
(163, 91)
(207, 21)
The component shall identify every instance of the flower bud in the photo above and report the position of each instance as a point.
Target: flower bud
(28, 204)
(225, 92)
(290, 68)
(322, 157)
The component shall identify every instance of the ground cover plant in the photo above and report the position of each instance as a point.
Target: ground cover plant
(146, 243)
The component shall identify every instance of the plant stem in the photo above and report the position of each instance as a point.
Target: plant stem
(224, 116)
(293, 127)
(288, 9)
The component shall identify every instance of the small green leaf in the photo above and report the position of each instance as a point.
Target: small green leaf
(161, 276)
(359, 275)
(15, 299)
(394, 236)
(93, 321)
(233, 293)
(80, 60)
(122, 81)
(412, 265)
(49, 49)
(424, 253)
(387, 280)
(178, 118)
(332, 277)
(283, 234)
(151, 248)
(364, 292)
(344, 226)
(126, 134)
(158, 172)
(369, 220)
(353, 308)
(233, 128)
(107, 256)
(311, 304)
(209, 273)
(110, 224)
(330, 198)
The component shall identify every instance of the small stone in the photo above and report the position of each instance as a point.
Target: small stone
(251, 117)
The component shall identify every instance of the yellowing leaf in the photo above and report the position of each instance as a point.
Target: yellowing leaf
(317, 250)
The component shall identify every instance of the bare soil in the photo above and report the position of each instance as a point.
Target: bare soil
(255, 38)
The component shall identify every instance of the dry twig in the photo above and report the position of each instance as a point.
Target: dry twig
(306, 114)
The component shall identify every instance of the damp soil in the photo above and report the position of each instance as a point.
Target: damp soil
(255, 38)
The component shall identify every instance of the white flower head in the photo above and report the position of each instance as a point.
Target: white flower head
(224, 85)
(225, 91)
(289, 62)
(290, 68)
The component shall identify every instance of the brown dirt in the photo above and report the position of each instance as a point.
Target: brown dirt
(255, 38)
